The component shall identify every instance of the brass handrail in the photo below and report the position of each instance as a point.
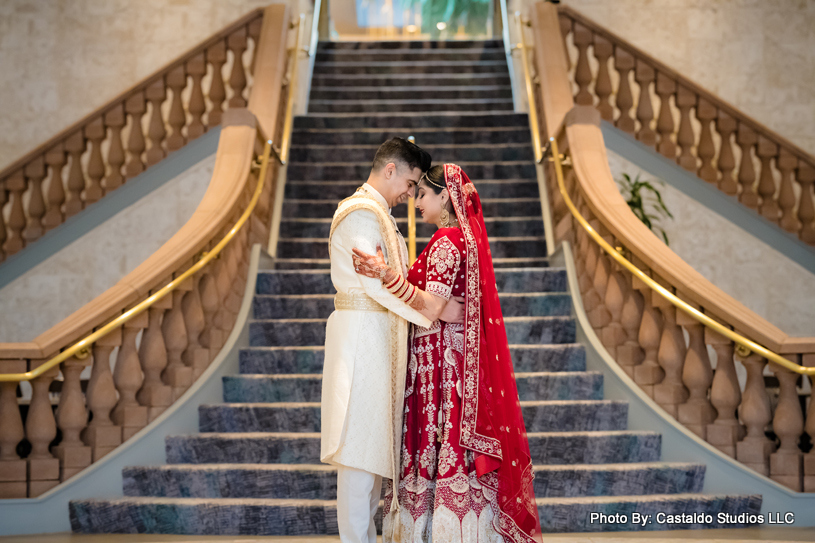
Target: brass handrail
(411, 218)
(744, 346)
(530, 94)
(81, 349)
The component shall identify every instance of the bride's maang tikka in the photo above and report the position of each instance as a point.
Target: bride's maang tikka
(426, 178)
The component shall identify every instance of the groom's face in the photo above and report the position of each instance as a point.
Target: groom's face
(403, 182)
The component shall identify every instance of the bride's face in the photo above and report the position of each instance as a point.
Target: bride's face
(430, 204)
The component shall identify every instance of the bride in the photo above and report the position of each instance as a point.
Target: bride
(466, 472)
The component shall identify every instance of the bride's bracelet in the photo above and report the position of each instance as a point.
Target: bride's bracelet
(402, 289)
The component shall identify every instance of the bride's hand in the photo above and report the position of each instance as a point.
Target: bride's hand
(453, 311)
(370, 265)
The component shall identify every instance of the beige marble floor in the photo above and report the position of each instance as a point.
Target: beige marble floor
(772, 535)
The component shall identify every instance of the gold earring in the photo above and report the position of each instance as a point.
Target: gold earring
(444, 217)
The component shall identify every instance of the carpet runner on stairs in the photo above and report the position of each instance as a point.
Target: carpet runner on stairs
(254, 467)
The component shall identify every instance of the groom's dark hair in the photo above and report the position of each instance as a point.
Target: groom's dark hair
(404, 151)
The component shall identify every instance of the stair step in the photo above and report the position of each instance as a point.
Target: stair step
(409, 44)
(410, 93)
(291, 517)
(319, 481)
(411, 120)
(607, 447)
(440, 154)
(435, 67)
(312, 171)
(424, 136)
(574, 514)
(508, 247)
(401, 55)
(314, 227)
(319, 281)
(526, 358)
(492, 207)
(490, 189)
(464, 80)
(371, 106)
(282, 332)
(539, 416)
(204, 516)
(618, 479)
(320, 306)
(323, 263)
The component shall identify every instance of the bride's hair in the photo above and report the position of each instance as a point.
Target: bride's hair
(434, 178)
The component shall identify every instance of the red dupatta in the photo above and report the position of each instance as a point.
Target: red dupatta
(492, 424)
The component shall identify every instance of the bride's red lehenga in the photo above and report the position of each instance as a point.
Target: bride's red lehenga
(466, 468)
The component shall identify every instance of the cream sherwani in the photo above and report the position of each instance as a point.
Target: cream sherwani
(365, 350)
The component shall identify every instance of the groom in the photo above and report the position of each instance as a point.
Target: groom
(366, 344)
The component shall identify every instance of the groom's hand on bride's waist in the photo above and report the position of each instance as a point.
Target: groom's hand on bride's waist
(453, 311)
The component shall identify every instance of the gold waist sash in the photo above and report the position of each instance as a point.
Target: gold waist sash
(356, 302)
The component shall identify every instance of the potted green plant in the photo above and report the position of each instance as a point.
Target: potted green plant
(645, 201)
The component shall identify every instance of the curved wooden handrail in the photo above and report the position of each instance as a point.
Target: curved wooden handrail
(180, 334)
(665, 352)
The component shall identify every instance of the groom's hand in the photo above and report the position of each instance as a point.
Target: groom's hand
(453, 311)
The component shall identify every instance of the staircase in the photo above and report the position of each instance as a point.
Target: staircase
(254, 467)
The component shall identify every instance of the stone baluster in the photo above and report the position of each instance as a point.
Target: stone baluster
(236, 42)
(685, 100)
(35, 173)
(135, 107)
(603, 50)
(665, 89)
(806, 209)
(613, 334)
(55, 159)
(725, 395)
(177, 375)
(102, 435)
(177, 81)
(787, 163)
(697, 375)
(649, 372)
(786, 464)
(15, 184)
(706, 150)
(95, 132)
(644, 75)
(115, 119)
(233, 257)
(630, 354)
(210, 302)
(590, 298)
(197, 69)
(41, 429)
(72, 418)
(156, 93)
(222, 316)
(767, 151)
(726, 126)
(195, 355)
(599, 315)
(670, 393)
(755, 449)
(128, 378)
(624, 63)
(75, 145)
(12, 467)
(747, 139)
(582, 76)
(153, 357)
(216, 55)
(3, 200)
(809, 428)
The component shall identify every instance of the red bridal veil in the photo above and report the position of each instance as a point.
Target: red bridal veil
(491, 421)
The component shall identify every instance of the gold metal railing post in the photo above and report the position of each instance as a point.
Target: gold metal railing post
(530, 94)
(411, 216)
(287, 126)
